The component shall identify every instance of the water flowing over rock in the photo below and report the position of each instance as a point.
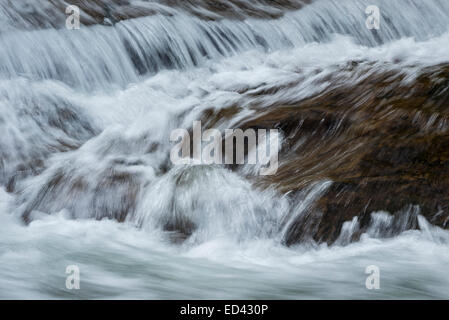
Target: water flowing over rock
(376, 130)
(86, 118)
(381, 139)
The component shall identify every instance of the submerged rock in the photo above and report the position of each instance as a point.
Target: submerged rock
(34, 126)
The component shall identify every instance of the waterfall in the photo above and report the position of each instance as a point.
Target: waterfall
(100, 56)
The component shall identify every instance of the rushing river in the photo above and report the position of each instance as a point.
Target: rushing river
(85, 173)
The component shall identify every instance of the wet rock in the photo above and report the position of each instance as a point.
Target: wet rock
(36, 126)
(113, 197)
(101, 180)
(383, 141)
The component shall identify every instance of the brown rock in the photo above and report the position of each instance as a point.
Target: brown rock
(382, 141)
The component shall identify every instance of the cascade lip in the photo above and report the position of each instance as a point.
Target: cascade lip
(95, 12)
(144, 46)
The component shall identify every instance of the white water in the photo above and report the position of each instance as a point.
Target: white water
(118, 261)
(119, 109)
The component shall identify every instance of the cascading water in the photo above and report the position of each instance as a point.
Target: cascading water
(101, 56)
(85, 171)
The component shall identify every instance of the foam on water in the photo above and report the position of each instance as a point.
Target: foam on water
(119, 261)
